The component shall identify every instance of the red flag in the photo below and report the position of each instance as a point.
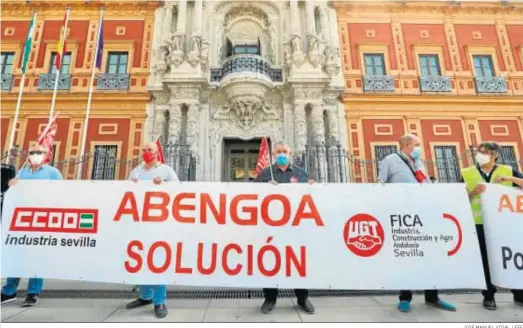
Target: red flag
(161, 156)
(47, 138)
(263, 156)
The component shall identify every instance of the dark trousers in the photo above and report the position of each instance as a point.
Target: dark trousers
(488, 294)
(518, 295)
(272, 293)
(430, 295)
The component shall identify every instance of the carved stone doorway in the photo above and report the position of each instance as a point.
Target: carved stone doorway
(240, 159)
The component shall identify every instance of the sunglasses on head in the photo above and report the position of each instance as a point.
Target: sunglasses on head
(36, 152)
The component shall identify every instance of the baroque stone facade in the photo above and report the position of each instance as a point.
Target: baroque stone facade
(229, 70)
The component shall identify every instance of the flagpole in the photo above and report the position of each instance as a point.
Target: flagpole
(19, 101)
(90, 96)
(62, 55)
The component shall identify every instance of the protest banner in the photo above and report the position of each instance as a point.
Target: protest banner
(341, 236)
(503, 223)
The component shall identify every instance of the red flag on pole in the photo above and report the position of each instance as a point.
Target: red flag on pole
(161, 156)
(263, 156)
(47, 137)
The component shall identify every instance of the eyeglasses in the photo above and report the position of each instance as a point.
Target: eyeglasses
(37, 152)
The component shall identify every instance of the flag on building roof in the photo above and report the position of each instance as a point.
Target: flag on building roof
(61, 47)
(28, 43)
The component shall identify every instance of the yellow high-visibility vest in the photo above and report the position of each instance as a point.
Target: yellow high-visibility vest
(473, 177)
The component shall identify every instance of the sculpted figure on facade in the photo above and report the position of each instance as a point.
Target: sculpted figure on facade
(205, 54)
(194, 54)
(177, 49)
(273, 39)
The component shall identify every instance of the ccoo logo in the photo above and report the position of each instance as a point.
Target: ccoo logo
(363, 235)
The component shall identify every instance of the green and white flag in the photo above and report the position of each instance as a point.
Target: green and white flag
(86, 221)
(28, 43)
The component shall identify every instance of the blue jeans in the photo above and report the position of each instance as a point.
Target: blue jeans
(33, 287)
(157, 293)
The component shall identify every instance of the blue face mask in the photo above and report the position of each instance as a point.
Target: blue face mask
(416, 153)
(282, 159)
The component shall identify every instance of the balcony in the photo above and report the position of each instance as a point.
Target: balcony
(47, 81)
(493, 84)
(113, 81)
(7, 82)
(248, 64)
(435, 84)
(378, 83)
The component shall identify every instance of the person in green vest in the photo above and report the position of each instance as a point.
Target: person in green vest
(475, 178)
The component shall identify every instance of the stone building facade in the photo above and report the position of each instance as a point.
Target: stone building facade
(225, 74)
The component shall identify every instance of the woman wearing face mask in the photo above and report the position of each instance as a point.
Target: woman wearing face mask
(475, 178)
(36, 169)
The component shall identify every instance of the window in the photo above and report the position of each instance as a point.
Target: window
(380, 152)
(429, 65)
(447, 163)
(374, 64)
(246, 50)
(117, 63)
(483, 65)
(66, 63)
(7, 62)
(508, 157)
(104, 165)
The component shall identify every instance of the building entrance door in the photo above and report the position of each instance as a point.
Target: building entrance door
(240, 158)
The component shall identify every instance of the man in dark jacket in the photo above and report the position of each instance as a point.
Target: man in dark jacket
(284, 172)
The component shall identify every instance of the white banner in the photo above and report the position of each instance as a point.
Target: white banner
(503, 224)
(342, 236)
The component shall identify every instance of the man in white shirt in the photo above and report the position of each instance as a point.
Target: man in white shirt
(152, 169)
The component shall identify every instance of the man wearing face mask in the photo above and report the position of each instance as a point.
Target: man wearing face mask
(406, 167)
(152, 169)
(35, 169)
(475, 177)
(283, 171)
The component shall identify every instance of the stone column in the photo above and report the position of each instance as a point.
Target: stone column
(159, 124)
(193, 114)
(318, 130)
(182, 14)
(175, 123)
(335, 157)
(300, 129)
(311, 22)
(167, 23)
(198, 17)
(324, 25)
(295, 17)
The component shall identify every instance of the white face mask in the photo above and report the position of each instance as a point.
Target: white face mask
(36, 159)
(482, 159)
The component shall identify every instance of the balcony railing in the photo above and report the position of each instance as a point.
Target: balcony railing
(435, 84)
(378, 83)
(7, 82)
(493, 84)
(113, 81)
(246, 63)
(47, 81)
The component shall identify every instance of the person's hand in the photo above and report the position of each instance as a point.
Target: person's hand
(502, 179)
(12, 182)
(134, 180)
(480, 188)
(273, 182)
(310, 181)
(157, 180)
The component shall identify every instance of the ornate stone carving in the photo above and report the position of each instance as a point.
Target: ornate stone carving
(247, 111)
(193, 114)
(331, 61)
(307, 94)
(185, 92)
(159, 122)
(177, 49)
(300, 129)
(243, 10)
(204, 59)
(273, 39)
(315, 50)
(161, 98)
(194, 54)
(175, 123)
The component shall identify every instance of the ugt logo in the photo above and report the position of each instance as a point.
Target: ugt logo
(38, 219)
(363, 235)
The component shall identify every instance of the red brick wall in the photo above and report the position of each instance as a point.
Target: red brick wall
(412, 36)
(488, 38)
(358, 35)
(515, 37)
